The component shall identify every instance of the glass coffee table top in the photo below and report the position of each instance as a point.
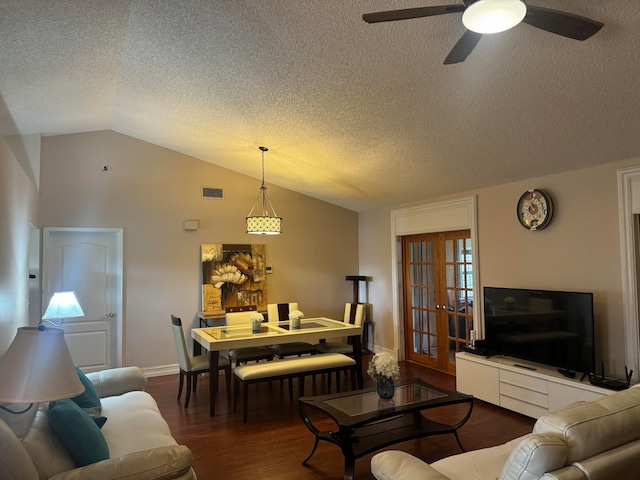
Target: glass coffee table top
(367, 402)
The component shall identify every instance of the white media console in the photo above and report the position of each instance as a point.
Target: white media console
(524, 387)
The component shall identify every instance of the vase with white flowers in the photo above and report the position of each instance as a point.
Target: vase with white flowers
(384, 369)
(256, 322)
(295, 317)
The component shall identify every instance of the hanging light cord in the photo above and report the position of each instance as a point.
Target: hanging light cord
(42, 327)
(266, 203)
(14, 412)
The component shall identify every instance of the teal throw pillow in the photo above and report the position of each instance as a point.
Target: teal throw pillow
(89, 398)
(99, 420)
(78, 432)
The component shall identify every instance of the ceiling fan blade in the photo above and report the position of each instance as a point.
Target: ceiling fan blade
(407, 13)
(463, 48)
(562, 23)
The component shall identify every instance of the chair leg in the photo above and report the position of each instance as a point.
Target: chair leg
(186, 400)
(245, 398)
(290, 384)
(236, 392)
(337, 381)
(353, 378)
(195, 382)
(227, 376)
(181, 384)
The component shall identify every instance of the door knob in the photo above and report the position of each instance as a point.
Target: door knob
(112, 314)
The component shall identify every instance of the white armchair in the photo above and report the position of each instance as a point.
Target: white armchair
(586, 440)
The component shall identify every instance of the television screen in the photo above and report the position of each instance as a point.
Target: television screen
(548, 327)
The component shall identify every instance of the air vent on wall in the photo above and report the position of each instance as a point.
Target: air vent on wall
(212, 192)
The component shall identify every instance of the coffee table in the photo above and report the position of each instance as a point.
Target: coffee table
(367, 423)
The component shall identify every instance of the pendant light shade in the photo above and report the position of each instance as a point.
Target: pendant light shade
(266, 223)
(493, 16)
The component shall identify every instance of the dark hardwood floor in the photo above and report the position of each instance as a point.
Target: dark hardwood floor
(275, 441)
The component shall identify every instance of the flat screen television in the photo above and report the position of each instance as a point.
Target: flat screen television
(549, 327)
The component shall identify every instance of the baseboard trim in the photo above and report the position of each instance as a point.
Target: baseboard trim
(161, 370)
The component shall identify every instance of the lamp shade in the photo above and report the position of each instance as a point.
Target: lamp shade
(38, 367)
(264, 225)
(493, 16)
(63, 305)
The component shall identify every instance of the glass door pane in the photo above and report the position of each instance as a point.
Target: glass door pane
(420, 299)
(438, 297)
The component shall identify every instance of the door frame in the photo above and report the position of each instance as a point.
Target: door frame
(628, 210)
(448, 215)
(119, 238)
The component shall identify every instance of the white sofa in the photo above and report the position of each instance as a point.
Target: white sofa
(597, 440)
(140, 443)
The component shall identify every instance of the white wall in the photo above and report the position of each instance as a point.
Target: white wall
(19, 208)
(579, 251)
(149, 192)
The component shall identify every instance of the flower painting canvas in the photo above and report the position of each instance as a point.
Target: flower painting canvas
(233, 275)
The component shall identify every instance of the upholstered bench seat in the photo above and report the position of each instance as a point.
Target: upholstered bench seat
(289, 368)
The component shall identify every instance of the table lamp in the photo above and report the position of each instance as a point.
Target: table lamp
(62, 305)
(37, 366)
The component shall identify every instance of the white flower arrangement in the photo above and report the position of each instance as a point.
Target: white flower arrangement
(383, 364)
(296, 314)
(257, 317)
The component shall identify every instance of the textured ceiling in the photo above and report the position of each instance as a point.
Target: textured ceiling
(363, 116)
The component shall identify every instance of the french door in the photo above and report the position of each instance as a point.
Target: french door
(438, 297)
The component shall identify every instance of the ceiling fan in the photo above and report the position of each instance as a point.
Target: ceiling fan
(492, 16)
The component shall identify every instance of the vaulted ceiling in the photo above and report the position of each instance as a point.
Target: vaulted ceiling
(360, 115)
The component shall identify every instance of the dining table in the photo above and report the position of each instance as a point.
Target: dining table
(310, 330)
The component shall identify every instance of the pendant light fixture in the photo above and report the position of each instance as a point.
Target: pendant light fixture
(264, 224)
(493, 16)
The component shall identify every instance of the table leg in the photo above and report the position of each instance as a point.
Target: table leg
(349, 468)
(313, 450)
(357, 355)
(213, 381)
(347, 437)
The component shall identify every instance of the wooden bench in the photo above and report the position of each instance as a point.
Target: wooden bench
(290, 368)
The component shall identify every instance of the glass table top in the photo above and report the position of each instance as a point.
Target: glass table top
(368, 402)
(239, 331)
(274, 329)
(303, 325)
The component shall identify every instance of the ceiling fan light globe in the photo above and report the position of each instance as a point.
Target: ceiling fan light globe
(493, 16)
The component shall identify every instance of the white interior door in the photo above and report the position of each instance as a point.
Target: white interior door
(88, 262)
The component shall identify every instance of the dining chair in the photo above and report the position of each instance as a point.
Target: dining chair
(241, 315)
(353, 314)
(278, 312)
(191, 367)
